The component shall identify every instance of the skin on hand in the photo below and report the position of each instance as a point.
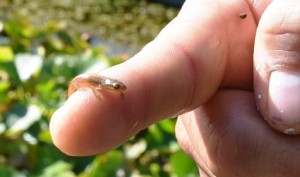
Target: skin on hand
(171, 75)
(205, 50)
(234, 140)
(277, 66)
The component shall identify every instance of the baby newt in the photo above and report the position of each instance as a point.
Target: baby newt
(96, 83)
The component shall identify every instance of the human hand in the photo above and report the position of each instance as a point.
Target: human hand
(226, 136)
(208, 48)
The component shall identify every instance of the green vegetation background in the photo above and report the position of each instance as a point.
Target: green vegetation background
(39, 55)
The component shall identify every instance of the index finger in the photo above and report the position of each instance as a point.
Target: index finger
(178, 71)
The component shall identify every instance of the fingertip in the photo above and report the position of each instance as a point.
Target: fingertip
(276, 58)
(284, 101)
(68, 126)
(86, 125)
(59, 128)
(56, 131)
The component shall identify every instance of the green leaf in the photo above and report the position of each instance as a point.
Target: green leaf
(168, 125)
(107, 164)
(27, 65)
(8, 72)
(183, 165)
(155, 169)
(4, 85)
(9, 172)
(156, 133)
(135, 150)
(58, 169)
(20, 117)
(45, 136)
(6, 54)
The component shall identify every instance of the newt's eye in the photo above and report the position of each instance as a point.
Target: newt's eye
(116, 86)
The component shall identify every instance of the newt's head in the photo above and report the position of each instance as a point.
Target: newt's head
(114, 85)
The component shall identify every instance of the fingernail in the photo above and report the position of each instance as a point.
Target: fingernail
(284, 97)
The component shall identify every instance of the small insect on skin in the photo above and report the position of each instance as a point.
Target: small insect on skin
(243, 15)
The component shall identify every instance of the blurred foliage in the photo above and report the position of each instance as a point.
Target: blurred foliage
(131, 23)
(36, 64)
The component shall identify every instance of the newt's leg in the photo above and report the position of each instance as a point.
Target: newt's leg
(97, 92)
(73, 87)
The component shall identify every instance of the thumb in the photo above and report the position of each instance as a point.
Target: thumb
(277, 65)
